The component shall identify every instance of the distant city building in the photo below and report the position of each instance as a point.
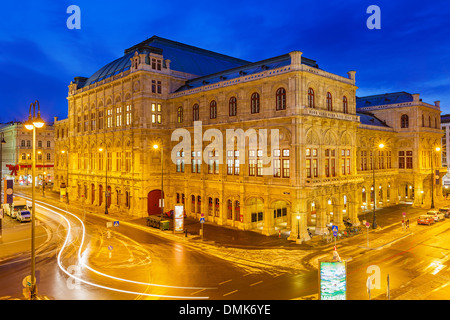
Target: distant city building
(321, 169)
(18, 149)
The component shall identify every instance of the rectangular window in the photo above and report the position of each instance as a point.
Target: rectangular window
(251, 167)
(156, 113)
(109, 119)
(259, 168)
(128, 115)
(118, 116)
(127, 161)
(311, 163)
(119, 161)
(409, 159)
(276, 168)
(401, 159)
(158, 87)
(109, 161)
(100, 120)
(86, 122)
(286, 168)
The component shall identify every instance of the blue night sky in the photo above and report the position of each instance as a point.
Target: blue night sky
(39, 55)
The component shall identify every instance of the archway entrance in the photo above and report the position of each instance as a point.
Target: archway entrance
(153, 199)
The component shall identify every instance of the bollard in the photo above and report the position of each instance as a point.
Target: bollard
(279, 234)
(185, 233)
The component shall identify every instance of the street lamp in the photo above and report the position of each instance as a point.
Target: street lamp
(437, 149)
(298, 226)
(374, 224)
(156, 147)
(106, 177)
(33, 123)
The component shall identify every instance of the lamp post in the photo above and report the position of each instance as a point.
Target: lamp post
(374, 224)
(156, 147)
(437, 149)
(106, 177)
(32, 123)
(298, 226)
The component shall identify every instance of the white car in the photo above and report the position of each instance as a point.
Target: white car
(23, 215)
(437, 216)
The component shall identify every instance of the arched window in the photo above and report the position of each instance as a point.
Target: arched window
(429, 121)
(255, 103)
(329, 102)
(311, 102)
(213, 110)
(345, 104)
(404, 122)
(180, 115)
(435, 123)
(423, 121)
(195, 112)
(281, 99)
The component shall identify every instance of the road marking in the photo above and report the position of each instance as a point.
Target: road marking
(254, 284)
(197, 291)
(226, 294)
(225, 282)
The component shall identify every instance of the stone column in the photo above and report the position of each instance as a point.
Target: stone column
(268, 228)
(321, 221)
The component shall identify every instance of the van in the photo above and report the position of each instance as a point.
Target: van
(6, 208)
(17, 206)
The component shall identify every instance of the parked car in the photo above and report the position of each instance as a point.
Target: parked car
(23, 215)
(438, 216)
(425, 219)
(445, 211)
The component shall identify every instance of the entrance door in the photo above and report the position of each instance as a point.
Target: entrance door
(100, 195)
(153, 202)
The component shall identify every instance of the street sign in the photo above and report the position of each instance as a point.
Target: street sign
(335, 230)
(116, 223)
(367, 224)
(202, 220)
(109, 224)
(110, 248)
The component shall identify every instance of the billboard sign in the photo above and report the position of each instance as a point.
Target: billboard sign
(179, 219)
(332, 280)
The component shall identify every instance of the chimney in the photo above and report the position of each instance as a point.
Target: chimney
(416, 97)
(437, 104)
(296, 59)
(351, 75)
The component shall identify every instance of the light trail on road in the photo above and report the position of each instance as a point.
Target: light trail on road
(82, 263)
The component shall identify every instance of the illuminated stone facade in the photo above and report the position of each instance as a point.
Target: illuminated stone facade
(319, 169)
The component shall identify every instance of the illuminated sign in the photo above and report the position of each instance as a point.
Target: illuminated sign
(332, 280)
(179, 219)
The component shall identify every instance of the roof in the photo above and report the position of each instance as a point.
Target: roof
(248, 69)
(383, 99)
(371, 120)
(184, 58)
(445, 118)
